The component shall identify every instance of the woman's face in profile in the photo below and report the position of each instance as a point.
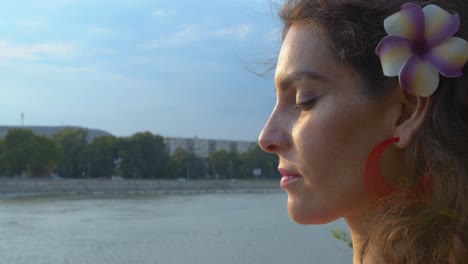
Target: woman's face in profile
(322, 128)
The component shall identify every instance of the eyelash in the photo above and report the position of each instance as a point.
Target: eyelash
(306, 106)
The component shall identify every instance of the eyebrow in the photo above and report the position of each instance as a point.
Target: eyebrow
(293, 77)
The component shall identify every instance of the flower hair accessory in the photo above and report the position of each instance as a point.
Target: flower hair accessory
(420, 45)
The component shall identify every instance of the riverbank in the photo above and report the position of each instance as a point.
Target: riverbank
(10, 188)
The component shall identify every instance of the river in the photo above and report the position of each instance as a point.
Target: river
(227, 228)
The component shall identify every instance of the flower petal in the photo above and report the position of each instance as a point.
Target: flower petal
(449, 57)
(419, 77)
(407, 23)
(440, 25)
(394, 52)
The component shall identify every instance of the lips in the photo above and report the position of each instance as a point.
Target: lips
(288, 177)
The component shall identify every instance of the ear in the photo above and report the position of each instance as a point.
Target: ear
(413, 112)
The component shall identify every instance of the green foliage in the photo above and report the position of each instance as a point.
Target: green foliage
(24, 153)
(45, 155)
(102, 156)
(185, 164)
(2, 162)
(73, 150)
(224, 164)
(342, 236)
(257, 158)
(143, 155)
(219, 163)
(16, 153)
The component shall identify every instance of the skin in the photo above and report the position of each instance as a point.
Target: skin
(328, 140)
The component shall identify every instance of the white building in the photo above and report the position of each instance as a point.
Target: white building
(204, 147)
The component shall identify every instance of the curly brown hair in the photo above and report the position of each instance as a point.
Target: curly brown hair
(435, 231)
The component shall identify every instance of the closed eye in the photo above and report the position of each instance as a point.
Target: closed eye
(307, 105)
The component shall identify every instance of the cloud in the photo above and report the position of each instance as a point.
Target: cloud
(24, 24)
(163, 12)
(273, 35)
(191, 33)
(195, 33)
(240, 31)
(36, 51)
(29, 23)
(101, 32)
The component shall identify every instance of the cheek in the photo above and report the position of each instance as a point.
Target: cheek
(320, 137)
(331, 149)
(331, 161)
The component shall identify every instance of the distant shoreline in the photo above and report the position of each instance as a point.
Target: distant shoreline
(13, 188)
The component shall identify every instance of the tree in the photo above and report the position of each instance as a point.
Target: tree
(234, 163)
(188, 165)
(219, 163)
(16, 153)
(2, 163)
(143, 155)
(73, 152)
(24, 153)
(102, 156)
(44, 156)
(257, 158)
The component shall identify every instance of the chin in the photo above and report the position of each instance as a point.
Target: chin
(305, 214)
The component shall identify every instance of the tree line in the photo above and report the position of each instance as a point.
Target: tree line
(143, 155)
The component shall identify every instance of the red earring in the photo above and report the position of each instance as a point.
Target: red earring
(383, 193)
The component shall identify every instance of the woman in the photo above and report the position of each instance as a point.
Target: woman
(371, 124)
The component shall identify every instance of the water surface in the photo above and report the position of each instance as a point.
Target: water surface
(172, 229)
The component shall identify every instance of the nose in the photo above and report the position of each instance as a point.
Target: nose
(274, 137)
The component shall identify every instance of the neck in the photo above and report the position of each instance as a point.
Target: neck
(358, 236)
(359, 228)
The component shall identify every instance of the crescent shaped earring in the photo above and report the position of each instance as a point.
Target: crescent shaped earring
(382, 193)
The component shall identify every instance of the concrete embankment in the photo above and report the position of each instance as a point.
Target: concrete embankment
(32, 187)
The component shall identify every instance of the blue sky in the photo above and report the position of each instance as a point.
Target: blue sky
(172, 67)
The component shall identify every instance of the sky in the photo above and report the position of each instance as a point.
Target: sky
(177, 68)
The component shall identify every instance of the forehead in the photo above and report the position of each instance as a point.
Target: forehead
(305, 49)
